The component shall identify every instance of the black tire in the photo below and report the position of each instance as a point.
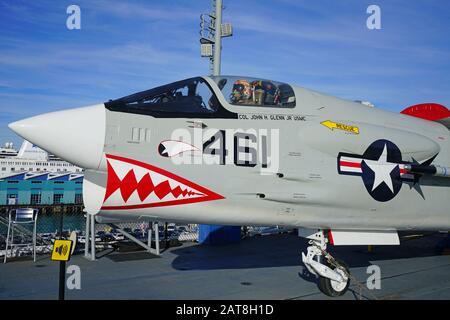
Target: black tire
(326, 286)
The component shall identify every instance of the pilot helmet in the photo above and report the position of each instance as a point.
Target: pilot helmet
(241, 91)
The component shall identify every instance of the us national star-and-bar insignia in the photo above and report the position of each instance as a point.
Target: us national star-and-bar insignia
(132, 184)
(381, 168)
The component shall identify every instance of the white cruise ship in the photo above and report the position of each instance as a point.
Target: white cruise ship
(33, 161)
(8, 151)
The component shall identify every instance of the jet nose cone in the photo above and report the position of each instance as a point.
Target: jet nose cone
(75, 135)
(17, 126)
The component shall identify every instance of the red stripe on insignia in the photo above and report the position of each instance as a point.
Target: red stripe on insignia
(350, 164)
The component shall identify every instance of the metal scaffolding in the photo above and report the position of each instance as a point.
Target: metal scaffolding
(89, 246)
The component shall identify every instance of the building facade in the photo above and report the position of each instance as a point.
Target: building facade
(41, 189)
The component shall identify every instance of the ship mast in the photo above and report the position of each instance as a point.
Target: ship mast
(211, 33)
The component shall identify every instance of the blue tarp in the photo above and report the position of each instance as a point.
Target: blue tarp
(218, 235)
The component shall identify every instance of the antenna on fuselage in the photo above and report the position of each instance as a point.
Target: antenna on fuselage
(210, 38)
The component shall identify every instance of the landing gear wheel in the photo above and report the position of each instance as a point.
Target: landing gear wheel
(334, 288)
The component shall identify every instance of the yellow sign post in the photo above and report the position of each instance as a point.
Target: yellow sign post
(62, 250)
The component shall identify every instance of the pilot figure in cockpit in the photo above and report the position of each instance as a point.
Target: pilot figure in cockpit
(241, 93)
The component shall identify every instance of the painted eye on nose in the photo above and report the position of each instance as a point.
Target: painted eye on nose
(170, 148)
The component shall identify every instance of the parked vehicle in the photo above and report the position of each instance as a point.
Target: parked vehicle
(264, 231)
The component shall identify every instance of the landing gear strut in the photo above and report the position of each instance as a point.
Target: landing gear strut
(334, 275)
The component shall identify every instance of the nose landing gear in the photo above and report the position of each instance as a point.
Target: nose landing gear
(334, 275)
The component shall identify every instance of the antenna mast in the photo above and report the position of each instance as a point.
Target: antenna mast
(211, 33)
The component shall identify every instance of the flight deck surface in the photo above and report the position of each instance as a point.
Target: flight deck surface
(266, 267)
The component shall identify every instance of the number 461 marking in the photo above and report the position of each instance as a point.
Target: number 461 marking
(248, 148)
(242, 148)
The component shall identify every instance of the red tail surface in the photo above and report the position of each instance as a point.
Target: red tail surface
(428, 111)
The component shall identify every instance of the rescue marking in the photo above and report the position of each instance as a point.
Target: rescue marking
(340, 126)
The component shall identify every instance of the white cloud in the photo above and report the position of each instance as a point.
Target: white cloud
(147, 11)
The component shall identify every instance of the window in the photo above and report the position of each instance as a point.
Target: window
(242, 91)
(35, 199)
(12, 196)
(187, 96)
(78, 198)
(58, 198)
(11, 199)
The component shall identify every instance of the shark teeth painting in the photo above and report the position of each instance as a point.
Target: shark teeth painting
(133, 184)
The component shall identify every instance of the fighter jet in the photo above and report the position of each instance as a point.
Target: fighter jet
(246, 151)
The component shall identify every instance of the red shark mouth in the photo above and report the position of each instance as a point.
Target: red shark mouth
(132, 184)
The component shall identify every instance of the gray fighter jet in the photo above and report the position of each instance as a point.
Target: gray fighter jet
(245, 151)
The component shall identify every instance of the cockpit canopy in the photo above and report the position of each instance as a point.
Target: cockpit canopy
(186, 96)
(195, 96)
(244, 91)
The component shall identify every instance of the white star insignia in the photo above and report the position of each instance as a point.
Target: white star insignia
(382, 170)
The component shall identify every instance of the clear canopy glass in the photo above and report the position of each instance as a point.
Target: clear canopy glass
(245, 91)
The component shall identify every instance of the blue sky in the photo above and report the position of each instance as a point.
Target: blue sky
(127, 46)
